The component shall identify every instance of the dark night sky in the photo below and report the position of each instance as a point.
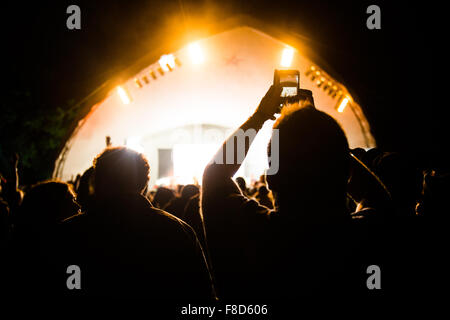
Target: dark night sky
(390, 70)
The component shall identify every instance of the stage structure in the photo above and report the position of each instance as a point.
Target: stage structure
(179, 109)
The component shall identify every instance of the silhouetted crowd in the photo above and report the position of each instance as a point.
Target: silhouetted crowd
(312, 228)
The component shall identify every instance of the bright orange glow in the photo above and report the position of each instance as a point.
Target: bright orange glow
(196, 53)
(123, 95)
(151, 117)
(166, 61)
(342, 105)
(287, 57)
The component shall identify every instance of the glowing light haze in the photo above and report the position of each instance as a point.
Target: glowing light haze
(219, 84)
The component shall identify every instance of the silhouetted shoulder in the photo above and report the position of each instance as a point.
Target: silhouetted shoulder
(172, 221)
(136, 212)
(140, 246)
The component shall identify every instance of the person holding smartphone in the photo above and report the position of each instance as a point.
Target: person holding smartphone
(285, 252)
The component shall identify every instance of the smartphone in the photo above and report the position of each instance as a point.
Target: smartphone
(290, 81)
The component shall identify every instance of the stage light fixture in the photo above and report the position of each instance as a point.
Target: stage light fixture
(287, 57)
(328, 85)
(138, 83)
(123, 94)
(167, 62)
(332, 91)
(310, 70)
(196, 53)
(320, 82)
(342, 105)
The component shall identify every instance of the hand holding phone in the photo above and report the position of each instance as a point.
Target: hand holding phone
(270, 104)
(289, 81)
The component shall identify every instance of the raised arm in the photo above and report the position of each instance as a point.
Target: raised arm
(230, 156)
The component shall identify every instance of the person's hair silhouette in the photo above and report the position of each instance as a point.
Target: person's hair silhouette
(120, 170)
(317, 159)
(310, 216)
(45, 204)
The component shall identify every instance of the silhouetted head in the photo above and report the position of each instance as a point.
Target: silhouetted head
(162, 197)
(46, 204)
(262, 191)
(370, 156)
(401, 178)
(241, 183)
(189, 191)
(151, 194)
(86, 188)
(120, 170)
(313, 157)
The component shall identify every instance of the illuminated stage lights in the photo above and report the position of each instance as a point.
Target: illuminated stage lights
(196, 53)
(343, 103)
(315, 75)
(138, 83)
(287, 57)
(321, 80)
(167, 62)
(124, 95)
(337, 94)
(311, 70)
(327, 85)
(128, 121)
(332, 91)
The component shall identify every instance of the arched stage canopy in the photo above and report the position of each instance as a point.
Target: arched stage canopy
(179, 109)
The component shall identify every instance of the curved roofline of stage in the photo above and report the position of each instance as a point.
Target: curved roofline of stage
(293, 39)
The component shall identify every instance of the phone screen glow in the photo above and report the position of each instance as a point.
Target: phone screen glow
(289, 92)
